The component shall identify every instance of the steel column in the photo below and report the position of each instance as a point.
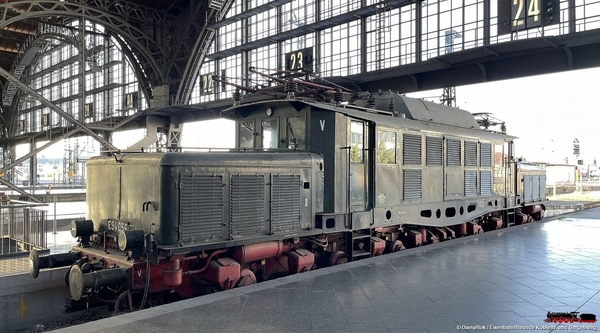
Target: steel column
(418, 33)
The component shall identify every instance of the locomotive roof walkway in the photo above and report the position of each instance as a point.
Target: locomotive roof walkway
(506, 277)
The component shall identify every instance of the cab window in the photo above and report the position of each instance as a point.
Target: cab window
(296, 132)
(386, 147)
(270, 133)
(356, 142)
(246, 134)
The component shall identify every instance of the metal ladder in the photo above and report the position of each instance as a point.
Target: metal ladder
(354, 239)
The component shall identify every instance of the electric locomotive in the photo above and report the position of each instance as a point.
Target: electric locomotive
(320, 176)
(570, 317)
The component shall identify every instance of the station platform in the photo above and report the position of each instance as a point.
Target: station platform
(61, 242)
(508, 279)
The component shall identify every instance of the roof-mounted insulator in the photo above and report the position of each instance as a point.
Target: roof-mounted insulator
(371, 103)
(392, 109)
(291, 87)
(237, 97)
(338, 97)
(392, 106)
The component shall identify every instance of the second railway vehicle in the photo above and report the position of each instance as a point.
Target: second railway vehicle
(320, 176)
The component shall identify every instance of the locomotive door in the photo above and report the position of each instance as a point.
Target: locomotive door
(511, 175)
(358, 166)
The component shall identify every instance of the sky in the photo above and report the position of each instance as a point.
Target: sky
(546, 112)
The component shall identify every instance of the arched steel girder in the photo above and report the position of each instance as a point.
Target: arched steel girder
(198, 53)
(152, 57)
(65, 39)
(124, 47)
(11, 114)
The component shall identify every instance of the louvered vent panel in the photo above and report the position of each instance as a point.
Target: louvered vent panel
(247, 205)
(285, 203)
(486, 154)
(486, 183)
(542, 187)
(411, 149)
(470, 183)
(527, 187)
(433, 152)
(535, 188)
(412, 181)
(470, 153)
(453, 152)
(201, 208)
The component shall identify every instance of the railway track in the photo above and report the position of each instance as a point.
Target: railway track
(64, 320)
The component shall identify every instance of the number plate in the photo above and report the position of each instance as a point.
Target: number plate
(299, 60)
(116, 225)
(525, 14)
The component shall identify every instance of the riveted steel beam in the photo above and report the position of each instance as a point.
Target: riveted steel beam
(55, 108)
(39, 149)
(18, 189)
(27, 156)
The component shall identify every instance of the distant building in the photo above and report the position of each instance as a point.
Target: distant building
(560, 174)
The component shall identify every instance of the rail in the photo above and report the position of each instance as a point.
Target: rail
(23, 227)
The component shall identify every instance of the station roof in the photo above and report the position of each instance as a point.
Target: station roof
(14, 35)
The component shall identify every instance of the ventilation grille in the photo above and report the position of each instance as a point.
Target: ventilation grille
(247, 199)
(535, 190)
(527, 188)
(201, 208)
(470, 153)
(470, 183)
(412, 181)
(433, 150)
(412, 149)
(453, 152)
(542, 187)
(485, 160)
(285, 203)
(486, 183)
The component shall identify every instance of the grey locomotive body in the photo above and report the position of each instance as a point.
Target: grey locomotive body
(309, 184)
(194, 201)
(423, 164)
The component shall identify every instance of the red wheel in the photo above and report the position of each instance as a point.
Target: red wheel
(338, 258)
(395, 246)
(247, 278)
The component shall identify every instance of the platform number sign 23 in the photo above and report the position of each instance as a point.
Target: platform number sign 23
(300, 60)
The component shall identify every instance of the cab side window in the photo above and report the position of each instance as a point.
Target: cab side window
(246, 134)
(296, 132)
(386, 147)
(270, 133)
(356, 142)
